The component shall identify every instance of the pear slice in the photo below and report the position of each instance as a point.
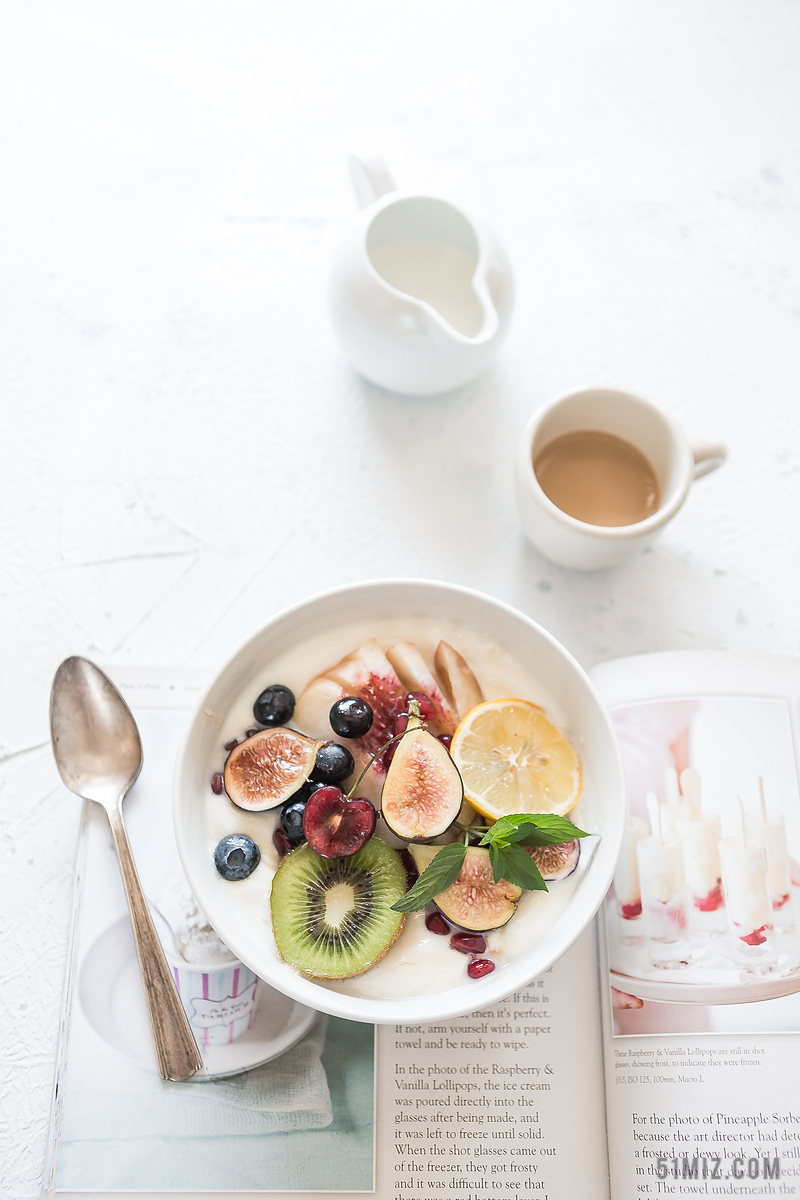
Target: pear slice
(458, 681)
(416, 676)
(312, 711)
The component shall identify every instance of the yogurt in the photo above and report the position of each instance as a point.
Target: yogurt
(419, 962)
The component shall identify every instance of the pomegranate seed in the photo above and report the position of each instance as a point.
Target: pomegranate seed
(250, 732)
(480, 967)
(469, 943)
(427, 709)
(216, 784)
(388, 755)
(231, 745)
(446, 741)
(436, 923)
(281, 842)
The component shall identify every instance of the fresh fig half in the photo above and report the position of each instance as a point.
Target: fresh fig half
(556, 862)
(266, 769)
(458, 680)
(417, 677)
(423, 793)
(475, 902)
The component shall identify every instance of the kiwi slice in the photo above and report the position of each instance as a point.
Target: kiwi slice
(332, 917)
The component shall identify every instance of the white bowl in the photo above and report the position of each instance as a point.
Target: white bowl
(601, 809)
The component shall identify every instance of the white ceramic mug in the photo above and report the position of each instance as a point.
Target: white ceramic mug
(442, 321)
(577, 544)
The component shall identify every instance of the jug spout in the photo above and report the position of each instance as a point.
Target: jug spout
(371, 179)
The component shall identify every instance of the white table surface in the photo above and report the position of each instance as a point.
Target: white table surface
(185, 450)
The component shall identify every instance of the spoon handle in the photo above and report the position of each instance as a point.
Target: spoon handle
(176, 1049)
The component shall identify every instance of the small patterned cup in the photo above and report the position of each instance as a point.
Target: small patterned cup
(218, 995)
(219, 1000)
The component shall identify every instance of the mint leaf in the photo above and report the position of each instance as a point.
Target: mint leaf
(437, 877)
(516, 865)
(531, 829)
(550, 830)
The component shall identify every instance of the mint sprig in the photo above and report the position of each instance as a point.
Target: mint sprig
(436, 878)
(505, 840)
(531, 829)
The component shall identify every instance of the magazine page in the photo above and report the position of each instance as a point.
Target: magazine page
(700, 934)
(501, 1103)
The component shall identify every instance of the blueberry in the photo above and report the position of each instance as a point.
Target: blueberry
(236, 856)
(274, 706)
(351, 717)
(334, 763)
(305, 790)
(292, 818)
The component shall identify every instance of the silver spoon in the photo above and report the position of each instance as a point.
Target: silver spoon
(98, 753)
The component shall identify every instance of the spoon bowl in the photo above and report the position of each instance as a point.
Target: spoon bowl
(96, 743)
(98, 754)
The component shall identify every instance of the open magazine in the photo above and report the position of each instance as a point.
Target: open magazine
(660, 1056)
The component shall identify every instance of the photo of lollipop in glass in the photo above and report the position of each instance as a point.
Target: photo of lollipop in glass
(770, 828)
(664, 897)
(744, 871)
(700, 835)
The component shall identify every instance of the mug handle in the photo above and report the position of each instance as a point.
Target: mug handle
(708, 457)
(371, 179)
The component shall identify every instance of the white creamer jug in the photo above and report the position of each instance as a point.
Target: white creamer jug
(420, 295)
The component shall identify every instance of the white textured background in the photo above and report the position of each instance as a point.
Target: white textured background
(184, 450)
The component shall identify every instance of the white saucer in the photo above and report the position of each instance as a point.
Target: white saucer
(712, 977)
(110, 990)
(747, 991)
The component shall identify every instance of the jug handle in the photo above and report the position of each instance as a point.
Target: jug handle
(371, 178)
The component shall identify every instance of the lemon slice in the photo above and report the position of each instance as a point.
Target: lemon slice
(513, 760)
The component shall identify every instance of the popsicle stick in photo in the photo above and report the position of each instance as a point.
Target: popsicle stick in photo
(654, 813)
(742, 822)
(692, 787)
(671, 786)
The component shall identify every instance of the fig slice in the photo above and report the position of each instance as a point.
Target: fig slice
(266, 769)
(417, 677)
(556, 862)
(423, 793)
(475, 902)
(458, 681)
